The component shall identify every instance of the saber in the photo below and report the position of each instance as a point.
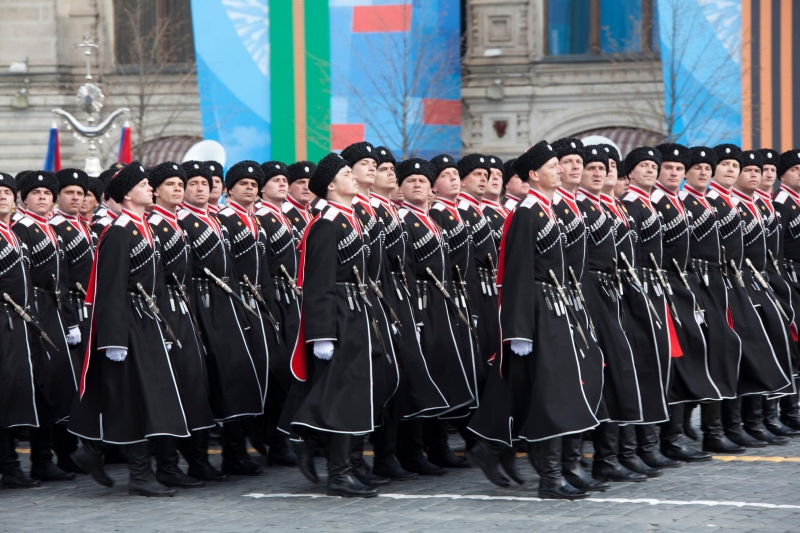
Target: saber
(494, 272)
(447, 297)
(635, 278)
(57, 292)
(767, 288)
(379, 294)
(563, 296)
(80, 288)
(260, 299)
(685, 281)
(463, 291)
(185, 298)
(580, 295)
(224, 286)
(774, 262)
(667, 289)
(291, 281)
(30, 321)
(367, 306)
(724, 262)
(738, 274)
(154, 308)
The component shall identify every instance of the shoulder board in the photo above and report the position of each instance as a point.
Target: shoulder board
(712, 194)
(286, 207)
(261, 212)
(735, 200)
(683, 194)
(464, 205)
(103, 221)
(630, 197)
(122, 220)
(155, 219)
(657, 195)
(56, 220)
(557, 198)
(331, 213)
(183, 213)
(580, 196)
(510, 204)
(781, 197)
(402, 212)
(322, 204)
(374, 202)
(528, 201)
(439, 206)
(228, 211)
(25, 221)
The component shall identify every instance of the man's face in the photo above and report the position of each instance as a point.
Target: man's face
(345, 183)
(768, 176)
(621, 187)
(197, 191)
(170, 192)
(495, 185)
(448, 184)
(475, 183)
(216, 191)
(416, 189)
(385, 179)
(517, 187)
(644, 174)
(726, 172)
(39, 201)
(299, 191)
(397, 194)
(7, 198)
(611, 177)
(88, 204)
(364, 172)
(573, 169)
(593, 177)
(275, 190)
(791, 178)
(70, 199)
(671, 175)
(244, 192)
(141, 195)
(698, 176)
(749, 179)
(548, 177)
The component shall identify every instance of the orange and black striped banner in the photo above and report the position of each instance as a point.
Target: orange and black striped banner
(770, 74)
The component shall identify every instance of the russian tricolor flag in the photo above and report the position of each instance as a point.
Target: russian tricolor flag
(52, 162)
(125, 150)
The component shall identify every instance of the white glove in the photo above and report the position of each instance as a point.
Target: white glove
(116, 354)
(521, 347)
(323, 350)
(74, 336)
(168, 345)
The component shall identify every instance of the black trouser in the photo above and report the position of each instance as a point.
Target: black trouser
(410, 440)
(42, 437)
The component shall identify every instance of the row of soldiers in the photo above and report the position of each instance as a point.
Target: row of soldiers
(361, 295)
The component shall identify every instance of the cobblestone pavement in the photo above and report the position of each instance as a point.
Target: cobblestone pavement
(759, 491)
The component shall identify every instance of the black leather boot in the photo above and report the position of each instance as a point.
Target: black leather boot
(486, 455)
(714, 439)
(753, 421)
(235, 459)
(508, 460)
(195, 451)
(13, 476)
(384, 442)
(672, 444)
(341, 481)
(42, 466)
(142, 481)
(606, 466)
(279, 452)
(647, 448)
(361, 469)
(688, 429)
(627, 453)
(773, 423)
(90, 458)
(64, 443)
(438, 448)
(571, 452)
(255, 433)
(167, 471)
(790, 410)
(390, 467)
(304, 450)
(411, 449)
(732, 425)
(552, 485)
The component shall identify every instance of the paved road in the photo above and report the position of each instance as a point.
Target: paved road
(757, 492)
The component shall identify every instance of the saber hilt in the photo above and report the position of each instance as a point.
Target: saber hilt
(564, 299)
(767, 288)
(291, 281)
(154, 308)
(224, 286)
(447, 297)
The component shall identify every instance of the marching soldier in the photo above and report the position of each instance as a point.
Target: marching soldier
(237, 378)
(759, 370)
(599, 287)
(494, 211)
(530, 395)
(128, 390)
(188, 358)
(91, 200)
(18, 402)
(56, 373)
(516, 187)
(690, 379)
(215, 170)
(297, 207)
(722, 342)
